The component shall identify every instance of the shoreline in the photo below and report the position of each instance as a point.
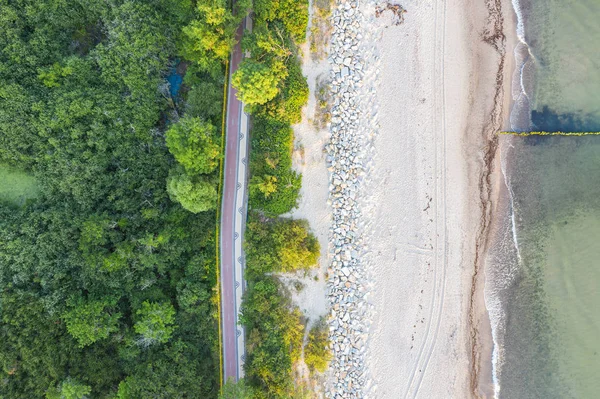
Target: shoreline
(434, 92)
(485, 353)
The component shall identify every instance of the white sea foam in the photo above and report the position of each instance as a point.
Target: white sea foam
(520, 117)
(520, 24)
(504, 259)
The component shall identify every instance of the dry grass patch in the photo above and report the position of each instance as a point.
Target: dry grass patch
(320, 31)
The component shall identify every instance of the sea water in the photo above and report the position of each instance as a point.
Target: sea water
(551, 298)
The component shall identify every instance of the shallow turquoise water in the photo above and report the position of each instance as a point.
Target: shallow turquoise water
(552, 341)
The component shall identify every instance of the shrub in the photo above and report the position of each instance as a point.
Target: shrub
(208, 40)
(90, 321)
(69, 389)
(292, 13)
(316, 353)
(271, 163)
(295, 92)
(275, 335)
(279, 245)
(205, 99)
(293, 95)
(236, 390)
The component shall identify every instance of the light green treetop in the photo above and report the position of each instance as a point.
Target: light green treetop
(193, 144)
(69, 389)
(155, 322)
(90, 321)
(258, 82)
(195, 194)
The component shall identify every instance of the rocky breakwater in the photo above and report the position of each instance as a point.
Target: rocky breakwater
(346, 155)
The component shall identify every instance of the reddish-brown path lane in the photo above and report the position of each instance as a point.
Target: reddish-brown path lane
(233, 214)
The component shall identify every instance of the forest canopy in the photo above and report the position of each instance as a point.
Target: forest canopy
(107, 273)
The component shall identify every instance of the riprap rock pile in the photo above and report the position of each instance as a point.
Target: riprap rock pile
(346, 154)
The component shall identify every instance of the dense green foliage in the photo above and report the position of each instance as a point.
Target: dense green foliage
(274, 90)
(154, 323)
(293, 14)
(209, 38)
(194, 144)
(106, 283)
(280, 245)
(274, 340)
(16, 186)
(91, 320)
(274, 326)
(258, 82)
(274, 185)
(272, 86)
(316, 352)
(107, 278)
(194, 193)
(68, 389)
(236, 390)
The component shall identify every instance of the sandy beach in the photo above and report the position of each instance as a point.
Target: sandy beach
(437, 87)
(441, 96)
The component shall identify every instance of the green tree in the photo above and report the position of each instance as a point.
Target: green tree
(137, 48)
(296, 246)
(280, 245)
(205, 99)
(209, 39)
(193, 143)
(236, 390)
(92, 320)
(316, 352)
(271, 155)
(196, 194)
(86, 118)
(275, 334)
(266, 185)
(258, 82)
(69, 389)
(155, 322)
(293, 14)
(176, 371)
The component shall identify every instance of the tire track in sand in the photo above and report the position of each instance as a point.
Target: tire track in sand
(422, 362)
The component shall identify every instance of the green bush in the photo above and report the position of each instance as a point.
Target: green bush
(155, 322)
(316, 352)
(69, 389)
(205, 99)
(292, 13)
(293, 95)
(295, 92)
(208, 39)
(279, 245)
(271, 157)
(275, 334)
(89, 321)
(258, 81)
(236, 390)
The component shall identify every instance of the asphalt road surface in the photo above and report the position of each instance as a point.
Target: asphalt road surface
(233, 220)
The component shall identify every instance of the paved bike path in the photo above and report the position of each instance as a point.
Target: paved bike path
(233, 221)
